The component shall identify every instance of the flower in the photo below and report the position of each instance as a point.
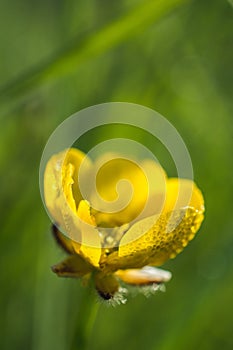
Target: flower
(124, 245)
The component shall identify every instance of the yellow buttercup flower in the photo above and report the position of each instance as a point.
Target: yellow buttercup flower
(125, 229)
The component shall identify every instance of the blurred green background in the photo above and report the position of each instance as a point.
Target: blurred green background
(58, 57)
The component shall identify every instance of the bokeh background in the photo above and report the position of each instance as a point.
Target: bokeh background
(58, 57)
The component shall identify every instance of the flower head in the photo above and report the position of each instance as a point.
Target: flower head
(118, 231)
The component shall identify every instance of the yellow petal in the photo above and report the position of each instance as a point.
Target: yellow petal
(167, 237)
(75, 158)
(61, 189)
(65, 204)
(89, 246)
(182, 193)
(157, 184)
(125, 187)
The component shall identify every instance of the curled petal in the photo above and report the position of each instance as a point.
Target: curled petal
(65, 204)
(90, 246)
(61, 189)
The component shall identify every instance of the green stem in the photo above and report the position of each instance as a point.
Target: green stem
(85, 320)
(91, 321)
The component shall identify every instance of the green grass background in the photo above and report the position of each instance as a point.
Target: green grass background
(57, 57)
